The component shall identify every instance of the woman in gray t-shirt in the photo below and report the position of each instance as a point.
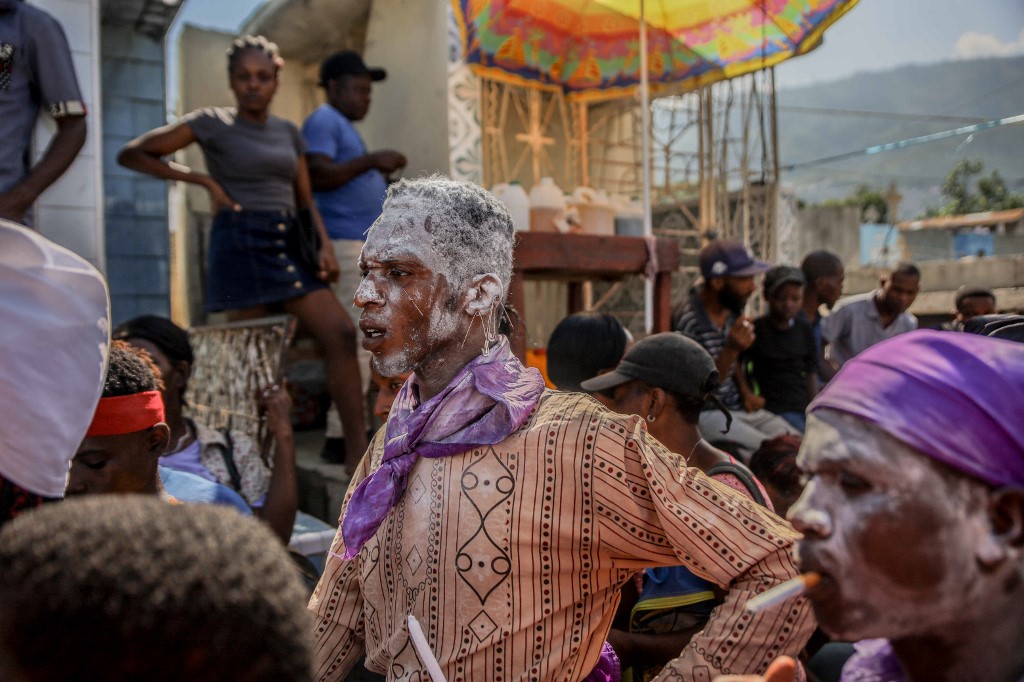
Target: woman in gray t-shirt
(258, 184)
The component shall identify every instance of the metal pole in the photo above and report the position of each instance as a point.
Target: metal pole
(645, 133)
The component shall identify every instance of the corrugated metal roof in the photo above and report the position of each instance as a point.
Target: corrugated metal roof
(150, 17)
(968, 220)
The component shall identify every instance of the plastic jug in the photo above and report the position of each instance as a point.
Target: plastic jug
(629, 217)
(596, 214)
(514, 197)
(547, 206)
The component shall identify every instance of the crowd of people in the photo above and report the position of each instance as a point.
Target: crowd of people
(495, 528)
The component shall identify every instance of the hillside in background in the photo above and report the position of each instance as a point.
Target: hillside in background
(959, 92)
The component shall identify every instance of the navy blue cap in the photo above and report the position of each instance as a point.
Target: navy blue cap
(729, 258)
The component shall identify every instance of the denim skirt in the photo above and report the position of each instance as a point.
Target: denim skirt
(254, 260)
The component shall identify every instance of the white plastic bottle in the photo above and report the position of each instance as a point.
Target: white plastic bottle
(518, 204)
(596, 213)
(547, 206)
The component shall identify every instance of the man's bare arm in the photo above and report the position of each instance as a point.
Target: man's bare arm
(71, 133)
(327, 175)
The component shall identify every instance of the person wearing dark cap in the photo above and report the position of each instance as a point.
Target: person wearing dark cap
(348, 183)
(713, 316)
(194, 448)
(666, 379)
(783, 360)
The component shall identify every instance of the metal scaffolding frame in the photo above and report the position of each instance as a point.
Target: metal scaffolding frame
(715, 166)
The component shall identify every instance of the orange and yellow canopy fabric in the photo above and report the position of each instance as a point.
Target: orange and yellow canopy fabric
(593, 46)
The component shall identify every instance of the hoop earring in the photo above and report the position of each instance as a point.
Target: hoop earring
(651, 417)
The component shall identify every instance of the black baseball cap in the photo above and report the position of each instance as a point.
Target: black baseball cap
(171, 339)
(782, 274)
(729, 258)
(667, 360)
(347, 62)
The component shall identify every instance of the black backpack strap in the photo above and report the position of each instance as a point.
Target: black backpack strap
(741, 472)
(228, 454)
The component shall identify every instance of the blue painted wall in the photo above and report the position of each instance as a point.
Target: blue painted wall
(137, 239)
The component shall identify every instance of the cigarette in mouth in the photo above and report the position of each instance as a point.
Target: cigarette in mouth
(787, 590)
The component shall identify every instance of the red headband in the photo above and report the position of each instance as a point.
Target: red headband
(127, 414)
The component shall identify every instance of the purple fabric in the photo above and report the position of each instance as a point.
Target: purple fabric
(873, 660)
(957, 398)
(190, 461)
(608, 668)
(488, 399)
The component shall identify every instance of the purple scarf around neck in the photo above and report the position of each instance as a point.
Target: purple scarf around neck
(488, 399)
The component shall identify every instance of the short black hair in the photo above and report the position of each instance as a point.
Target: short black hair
(134, 588)
(689, 406)
(820, 263)
(171, 339)
(906, 269)
(775, 463)
(130, 370)
(583, 345)
(965, 292)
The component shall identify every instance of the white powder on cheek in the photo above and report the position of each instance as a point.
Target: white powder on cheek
(902, 552)
(454, 230)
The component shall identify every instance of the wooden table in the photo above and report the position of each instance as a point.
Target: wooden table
(577, 258)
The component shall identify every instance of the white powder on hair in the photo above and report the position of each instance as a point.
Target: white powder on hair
(471, 229)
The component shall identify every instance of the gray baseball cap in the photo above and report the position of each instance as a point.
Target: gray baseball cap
(782, 274)
(667, 360)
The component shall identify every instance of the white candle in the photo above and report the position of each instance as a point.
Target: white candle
(419, 641)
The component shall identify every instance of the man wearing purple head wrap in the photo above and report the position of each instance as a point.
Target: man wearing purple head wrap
(914, 511)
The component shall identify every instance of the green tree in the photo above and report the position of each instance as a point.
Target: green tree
(989, 193)
(865, 198)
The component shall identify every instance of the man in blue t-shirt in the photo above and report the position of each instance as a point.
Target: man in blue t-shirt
(348, 182)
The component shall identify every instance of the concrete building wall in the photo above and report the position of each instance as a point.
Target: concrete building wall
(70, 212)
(925, 245)
(202, 82)
(836, 228)
(941, 278)
(137, 240)
(410, 108)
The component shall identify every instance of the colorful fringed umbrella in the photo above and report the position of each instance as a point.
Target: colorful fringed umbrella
(591, 48)
(611, 48)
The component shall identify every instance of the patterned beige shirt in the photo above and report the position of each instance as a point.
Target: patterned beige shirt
(511, 557)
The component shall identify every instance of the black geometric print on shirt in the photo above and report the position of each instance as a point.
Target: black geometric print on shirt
(481, 563)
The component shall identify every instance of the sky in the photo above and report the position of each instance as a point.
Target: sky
(875, 35)
(226, 15)
(882, 34)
